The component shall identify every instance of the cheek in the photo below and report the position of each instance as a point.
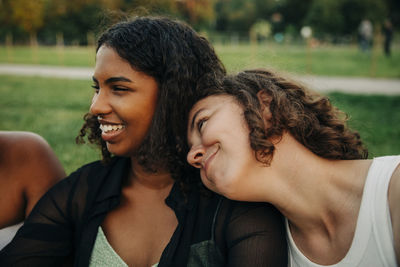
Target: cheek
(208, 137)
(146, 111)
(135, 111)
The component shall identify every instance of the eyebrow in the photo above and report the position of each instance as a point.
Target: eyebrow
(194, 118)
(113, 80)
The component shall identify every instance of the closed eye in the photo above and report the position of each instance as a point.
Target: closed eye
(200, 123)
(117, 88)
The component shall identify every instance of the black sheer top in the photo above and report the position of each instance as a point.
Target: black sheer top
(211, 231)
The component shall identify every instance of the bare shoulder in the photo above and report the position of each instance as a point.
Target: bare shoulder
(41, 168)
(29, 150)
(29, 165)
(394, 199)
(24, 143)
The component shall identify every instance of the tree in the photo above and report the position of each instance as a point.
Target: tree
(393, 13)
(198, 13)
(324, 16)
(235, 15)
(294, 12)
(29, 16)
(74, 19)
(238, 15)
(5, 15)
(341, 17)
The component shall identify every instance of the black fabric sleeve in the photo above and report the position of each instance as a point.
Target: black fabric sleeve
(251, 234)
(46, 237)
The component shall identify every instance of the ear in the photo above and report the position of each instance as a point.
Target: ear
(265, 101)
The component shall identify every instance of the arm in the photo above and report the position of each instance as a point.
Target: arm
(28, 168)
(254, 235)
(46, 170)
(46, 238)
(394, 200)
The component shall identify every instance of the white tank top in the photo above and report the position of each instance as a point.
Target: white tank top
(7, 234)
(372, 244)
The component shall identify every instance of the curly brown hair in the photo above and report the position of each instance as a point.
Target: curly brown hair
(309, 117)
(178, 58)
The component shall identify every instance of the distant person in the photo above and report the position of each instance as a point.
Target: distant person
(28, 168)
(388, 34)
(365, 32)
(263, 137)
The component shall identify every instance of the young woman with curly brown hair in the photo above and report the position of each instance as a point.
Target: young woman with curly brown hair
(142, 206)
(261, 137)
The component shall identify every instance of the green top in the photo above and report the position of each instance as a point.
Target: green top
(104, 255)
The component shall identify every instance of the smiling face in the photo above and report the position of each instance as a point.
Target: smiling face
(124, 102)
(219, 140)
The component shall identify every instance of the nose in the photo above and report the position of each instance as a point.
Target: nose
(100, 104)
(195, 156)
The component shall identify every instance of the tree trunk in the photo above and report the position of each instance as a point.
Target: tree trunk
(33, 39)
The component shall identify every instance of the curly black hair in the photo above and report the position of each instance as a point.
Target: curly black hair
(308, 116)
(178, 58)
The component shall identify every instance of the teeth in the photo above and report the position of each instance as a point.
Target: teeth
(105, 128)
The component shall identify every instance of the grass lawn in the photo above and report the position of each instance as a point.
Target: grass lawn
(54, 109)
(326, 60)
(48, 55)
(377, 118)
(323, 60)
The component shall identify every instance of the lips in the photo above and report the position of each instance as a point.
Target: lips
(109, 131)
(106, 128)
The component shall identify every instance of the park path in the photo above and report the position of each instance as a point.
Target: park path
(322, 84)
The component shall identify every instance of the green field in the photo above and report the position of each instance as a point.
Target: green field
(322, 60)
(325, 60)
(54, 109)
(52, 55)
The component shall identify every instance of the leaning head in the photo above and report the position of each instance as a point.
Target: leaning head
(177, 58)
(255, 108)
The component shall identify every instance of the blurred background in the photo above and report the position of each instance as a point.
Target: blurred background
(318, 38)
(302, 36)
(73, 22)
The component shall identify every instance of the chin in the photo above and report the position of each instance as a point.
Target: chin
(210, 185)
(228, 194)
(117, 152)
(219, 190)
(229, 190)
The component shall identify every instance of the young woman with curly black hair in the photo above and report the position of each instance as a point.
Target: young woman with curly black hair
(262, 137)
(143, 205)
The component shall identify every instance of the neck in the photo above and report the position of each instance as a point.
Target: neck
(312, 192)
(158, 180)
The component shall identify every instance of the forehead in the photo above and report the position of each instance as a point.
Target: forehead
(211, 101)
(214, 103)
(109, 64)
(107, 53)
(107, 59)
